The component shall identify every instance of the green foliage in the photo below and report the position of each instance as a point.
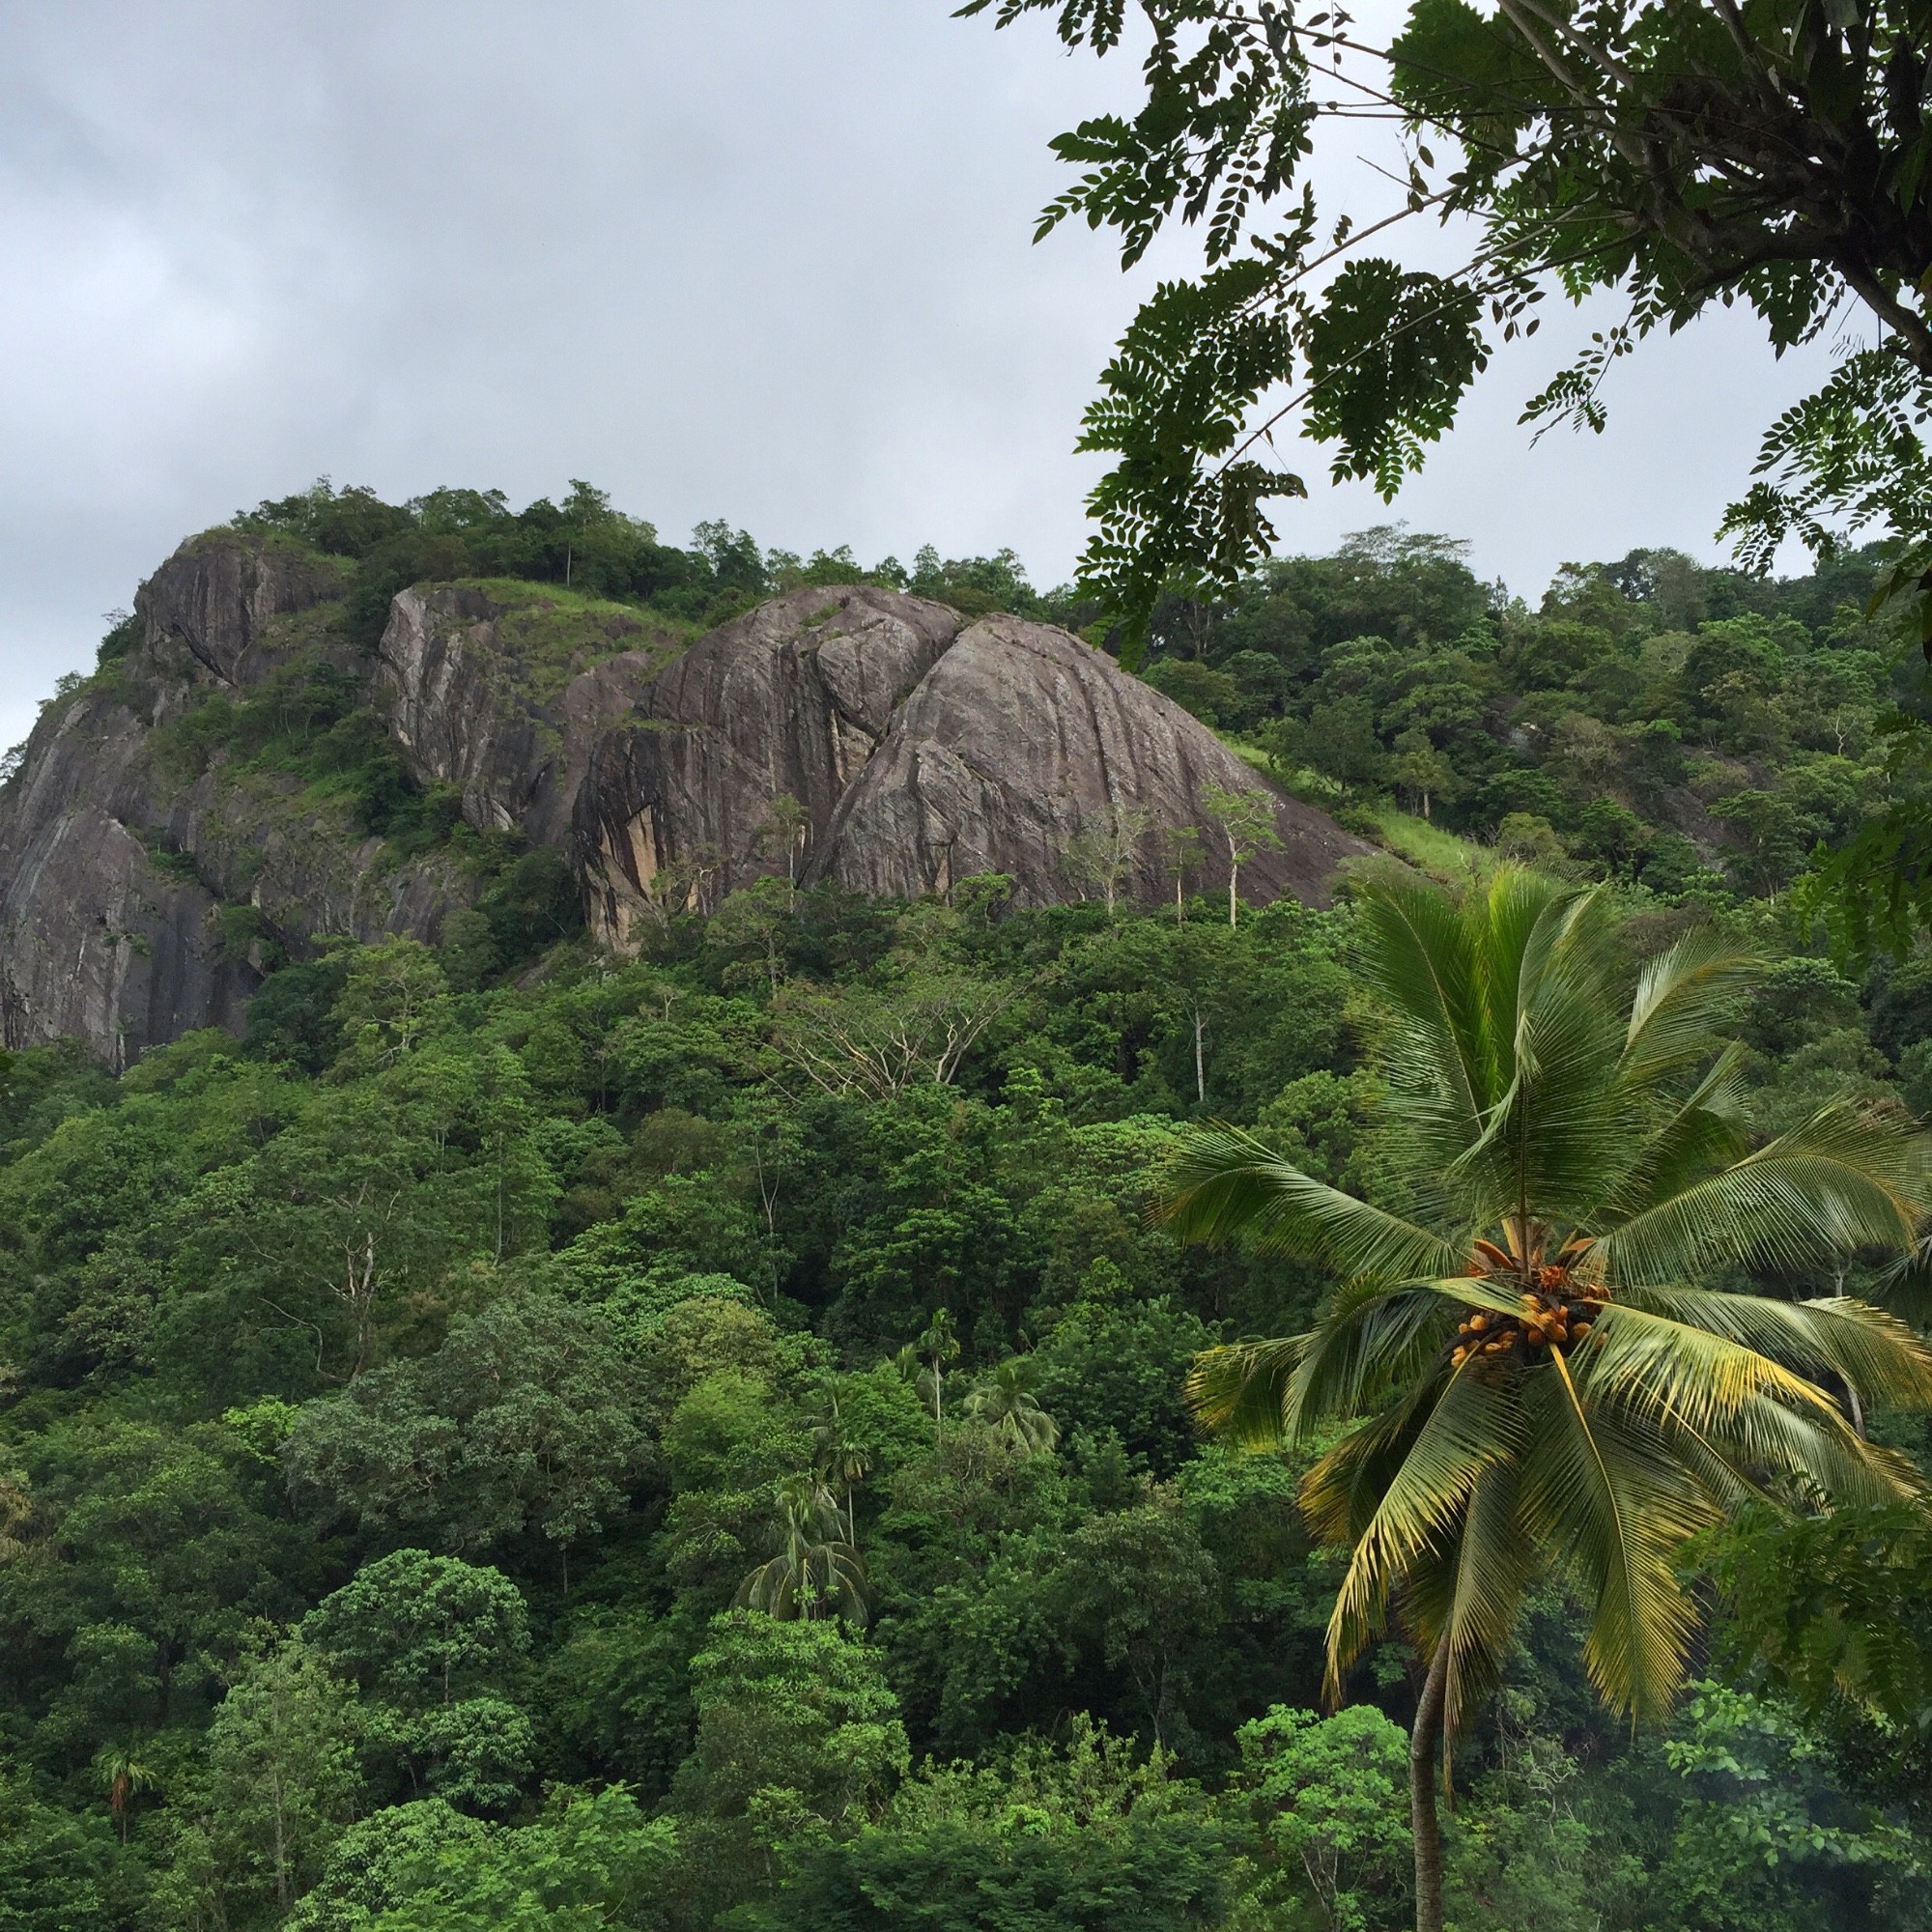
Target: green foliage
(1331, 1797)
(60, 1871)
(1577, 1152)
(1088, 1838)
(282, 1781)
(594, 1861)
(394, 1403)
(1571, 149)
(586, 546)
(525, 1423)
(434, 1643)
(798, 1736)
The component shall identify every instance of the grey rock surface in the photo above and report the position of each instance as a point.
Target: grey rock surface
(148, 870)
(922, 751)
(790, 699)
(212, 606)
(1022, 739)
(466, 708)
(117, 866)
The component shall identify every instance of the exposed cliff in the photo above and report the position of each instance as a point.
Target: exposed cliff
(790, 700)
(1020, 741)
(105, 931)
(247, 780)
(919, 753)
(503, 693)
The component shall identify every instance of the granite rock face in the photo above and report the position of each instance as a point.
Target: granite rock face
(919, 752)
(791, 699)
(1022, 739)
(151, 870)
(94, 940)
(467, 706)
(122, 871)
(211, 610)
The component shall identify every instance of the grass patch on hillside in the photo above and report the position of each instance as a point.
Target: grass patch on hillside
(1427, 846)
(1418, 841)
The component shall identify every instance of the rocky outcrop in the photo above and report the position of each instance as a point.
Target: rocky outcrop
(505, 697)
(94, 940)
(1022, 744)
(790, 700)
(211, 607)
(153, 866)
(140, 892)
(918, 753)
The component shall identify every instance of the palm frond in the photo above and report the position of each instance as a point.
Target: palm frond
(1266, 1395)
(1342, 1490)
(1241, 1391)
(1471, 1596)
(1734, 1416)
(1649, 1362)
(1607, 1494)
(1773, 1446)
(1469, 1426)
(1223, 1182)
(1561, 1120)
(1684, 997)
(1869, 1351)
(1702, 1130)
(1848, 1177)
(1415, 951)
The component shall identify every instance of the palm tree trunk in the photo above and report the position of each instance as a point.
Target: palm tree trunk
(1422, 1820)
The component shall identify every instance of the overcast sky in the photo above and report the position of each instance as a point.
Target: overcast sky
(765, 260)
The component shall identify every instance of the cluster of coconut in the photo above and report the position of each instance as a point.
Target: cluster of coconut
(1553, 1316)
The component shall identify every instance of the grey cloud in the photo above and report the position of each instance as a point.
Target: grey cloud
(764, 259)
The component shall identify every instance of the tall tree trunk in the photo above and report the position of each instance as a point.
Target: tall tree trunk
(1423, 1743)
(1200, 1065)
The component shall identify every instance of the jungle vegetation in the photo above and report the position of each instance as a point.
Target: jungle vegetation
(520, 1438)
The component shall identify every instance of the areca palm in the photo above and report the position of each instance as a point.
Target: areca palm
(1530, 1368)
(838, 1456)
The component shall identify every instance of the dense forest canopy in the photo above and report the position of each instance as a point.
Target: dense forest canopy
(518, 1439)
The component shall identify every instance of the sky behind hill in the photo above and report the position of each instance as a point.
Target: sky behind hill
(766, 260)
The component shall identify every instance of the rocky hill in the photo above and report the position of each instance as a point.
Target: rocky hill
(245, 781)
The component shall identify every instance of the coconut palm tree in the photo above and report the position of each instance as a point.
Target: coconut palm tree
(1006, 1404)
(1531, 1366)
(813, 1570)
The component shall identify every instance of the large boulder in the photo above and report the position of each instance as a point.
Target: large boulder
(145, 880)
(918, 751)
(95, 940)
(1022, 742)
(789, 701)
